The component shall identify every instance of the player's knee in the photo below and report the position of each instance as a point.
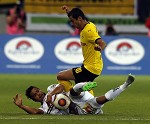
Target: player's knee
(59, 76)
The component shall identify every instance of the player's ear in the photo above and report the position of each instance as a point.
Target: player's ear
(79, 18)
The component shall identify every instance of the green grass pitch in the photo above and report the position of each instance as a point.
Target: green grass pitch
(131, 107)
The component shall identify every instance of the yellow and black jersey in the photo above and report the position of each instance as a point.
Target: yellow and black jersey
(92, 58)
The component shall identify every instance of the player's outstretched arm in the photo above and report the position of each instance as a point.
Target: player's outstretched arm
(18, 102)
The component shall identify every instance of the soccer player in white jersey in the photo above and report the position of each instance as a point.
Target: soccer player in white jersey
(82, 102)
(38, 95)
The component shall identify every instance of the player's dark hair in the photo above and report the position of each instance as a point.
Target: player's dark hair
(75, 13)
(28, 91)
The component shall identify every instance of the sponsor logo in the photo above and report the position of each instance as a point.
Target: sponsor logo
(69, 51)
(124, 51)
(24, 50)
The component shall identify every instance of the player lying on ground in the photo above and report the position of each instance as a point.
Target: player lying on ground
(81, 101)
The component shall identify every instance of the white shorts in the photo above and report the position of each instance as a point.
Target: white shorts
(83, 100)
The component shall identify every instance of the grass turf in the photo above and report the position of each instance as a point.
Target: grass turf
(60, 20)
(132, 106)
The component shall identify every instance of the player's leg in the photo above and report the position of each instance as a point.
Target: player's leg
(97, 102)
(91, 106)
(78, 88)
(64, 78)
(66, 75)
(112, 94)
(81, 74)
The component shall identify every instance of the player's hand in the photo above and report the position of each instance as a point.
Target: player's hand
(66, 8)
(18, 100)
(98, 48)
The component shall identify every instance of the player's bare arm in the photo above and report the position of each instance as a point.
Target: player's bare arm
(18, 102)
(66, 8)
(101, 45)
(59, 89)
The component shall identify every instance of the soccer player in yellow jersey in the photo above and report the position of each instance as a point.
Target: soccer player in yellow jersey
(92, 46)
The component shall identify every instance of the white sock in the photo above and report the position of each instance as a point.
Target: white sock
(94, 103)
(124, 86)
(78, 87)
(112, 94)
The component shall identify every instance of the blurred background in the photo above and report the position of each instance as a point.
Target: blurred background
(45, 33)
(127, 16)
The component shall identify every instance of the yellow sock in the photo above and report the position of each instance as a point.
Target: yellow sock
(92, 92)
(67, 85)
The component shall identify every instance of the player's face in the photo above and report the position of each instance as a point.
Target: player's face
(37, 95)
(76, 22)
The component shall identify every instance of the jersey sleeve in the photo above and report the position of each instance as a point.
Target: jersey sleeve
(92, 34)
(44, 108)
(52, 87)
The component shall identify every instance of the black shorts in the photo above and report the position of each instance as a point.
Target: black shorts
(81, 74)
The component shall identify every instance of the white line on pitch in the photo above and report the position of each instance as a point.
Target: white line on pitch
(49, 118)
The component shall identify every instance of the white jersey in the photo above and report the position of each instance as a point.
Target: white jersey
(51, 109)
(81, 102)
